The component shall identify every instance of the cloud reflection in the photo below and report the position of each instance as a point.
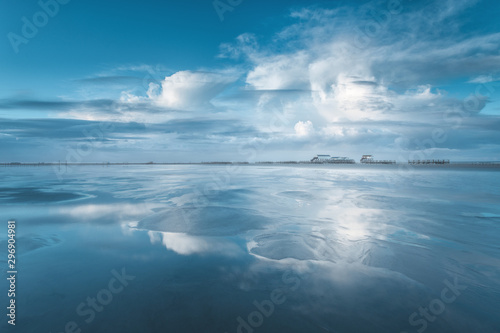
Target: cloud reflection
(104, 211)
(184, 244)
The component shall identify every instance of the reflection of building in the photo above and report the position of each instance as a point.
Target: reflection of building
(329, 159)
(366, 159)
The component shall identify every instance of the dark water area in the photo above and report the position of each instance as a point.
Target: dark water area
(194, 248)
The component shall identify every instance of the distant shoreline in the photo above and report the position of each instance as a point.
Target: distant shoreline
(424, 164)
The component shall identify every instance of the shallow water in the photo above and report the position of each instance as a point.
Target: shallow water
(254, 249)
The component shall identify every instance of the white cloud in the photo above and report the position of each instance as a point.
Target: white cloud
(316, 71)
(190, 90)
(281, 72)
(481, 79)
(304, 128)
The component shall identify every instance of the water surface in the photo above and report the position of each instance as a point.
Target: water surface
(255, 248)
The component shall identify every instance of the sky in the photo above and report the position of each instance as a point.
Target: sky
(241, 80)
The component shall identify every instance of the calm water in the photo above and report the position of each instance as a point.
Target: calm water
(253, 249)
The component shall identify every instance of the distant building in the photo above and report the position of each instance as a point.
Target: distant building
(320, 158)
(340, 159)
(329, 159)
(366, 159)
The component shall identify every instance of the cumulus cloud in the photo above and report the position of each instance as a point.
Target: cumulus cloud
(375, 70)
(361, 78)
(304, 128)
(189, 90)
(280, 72)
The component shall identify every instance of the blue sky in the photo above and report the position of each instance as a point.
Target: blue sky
(179, 81)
